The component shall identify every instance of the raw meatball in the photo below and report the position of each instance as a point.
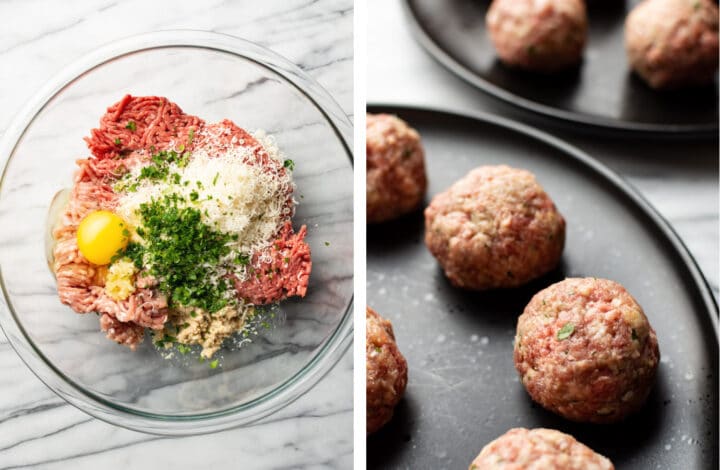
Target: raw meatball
(386, 371)
(585, 350)
(496, 227)
(396, 181)
(538, 35)
(538, 449)
(673, 43)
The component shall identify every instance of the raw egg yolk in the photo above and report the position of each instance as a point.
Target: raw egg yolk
(100, 235)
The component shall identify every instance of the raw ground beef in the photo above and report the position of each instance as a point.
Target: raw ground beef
(129, 132)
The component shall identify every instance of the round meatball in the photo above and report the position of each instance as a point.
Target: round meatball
(538, 35)
(673, 43)
(386, 371)
(585, 350)
(494, 228)
(538, 449)
(396, 180)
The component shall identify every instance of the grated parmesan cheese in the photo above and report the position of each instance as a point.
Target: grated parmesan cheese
(270, 145)
(233, 196)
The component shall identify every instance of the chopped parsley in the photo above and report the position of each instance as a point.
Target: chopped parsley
(159, 168)
(131, 125)
(214, 364)
(154, 172)
(181, 252)
(566, 331)
(289, 164)
(132, 251)
(165, 341)
(117, 141)
(183, 348)
(327, 243)
(191, 136)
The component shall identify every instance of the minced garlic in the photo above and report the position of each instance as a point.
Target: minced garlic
(119, 282)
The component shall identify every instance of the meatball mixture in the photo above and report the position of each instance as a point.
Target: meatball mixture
(585, 350)
(396, 180)
(538, 449)
(538, 35)
(494, 228)
(386, 371)
(673, 43)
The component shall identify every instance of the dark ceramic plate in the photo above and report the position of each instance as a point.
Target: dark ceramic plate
(600, 92)
(463, 389)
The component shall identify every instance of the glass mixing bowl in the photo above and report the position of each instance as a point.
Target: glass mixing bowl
(212, 76)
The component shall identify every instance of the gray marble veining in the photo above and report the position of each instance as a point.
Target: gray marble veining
(38, 429)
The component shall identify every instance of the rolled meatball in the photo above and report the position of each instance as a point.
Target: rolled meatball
(585, 350)
(673, 43)
(538, 449)
(386, 371)
(396, 180)
(494, 228)
(538, 35)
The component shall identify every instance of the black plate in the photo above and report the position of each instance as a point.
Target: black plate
(601, 92)
(463, 389)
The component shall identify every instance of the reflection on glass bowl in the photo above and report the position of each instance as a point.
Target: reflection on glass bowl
(213, 76)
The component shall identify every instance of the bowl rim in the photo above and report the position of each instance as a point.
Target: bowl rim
(328, 354)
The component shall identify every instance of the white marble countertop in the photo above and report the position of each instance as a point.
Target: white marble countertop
(37, 428)
(679, 178)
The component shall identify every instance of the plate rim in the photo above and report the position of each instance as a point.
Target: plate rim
(600, 169)
(567, 117)
(699, 291)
